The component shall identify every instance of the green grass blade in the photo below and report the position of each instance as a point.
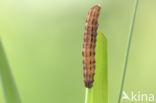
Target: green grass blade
(128, 49)
(99, 92)
(7, 82)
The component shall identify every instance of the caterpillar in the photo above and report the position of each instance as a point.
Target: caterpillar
(89, 44)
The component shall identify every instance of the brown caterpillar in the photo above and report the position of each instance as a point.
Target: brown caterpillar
(89, 44)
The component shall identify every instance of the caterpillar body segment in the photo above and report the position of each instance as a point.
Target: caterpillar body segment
(89, 44)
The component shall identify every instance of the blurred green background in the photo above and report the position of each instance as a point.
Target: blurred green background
(43, 40)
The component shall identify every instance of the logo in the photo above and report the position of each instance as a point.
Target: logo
(138, 96)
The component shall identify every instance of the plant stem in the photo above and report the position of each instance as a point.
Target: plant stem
(128, 49)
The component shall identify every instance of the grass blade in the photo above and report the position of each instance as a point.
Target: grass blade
(128, 48)
(7, 82)
(99, 92)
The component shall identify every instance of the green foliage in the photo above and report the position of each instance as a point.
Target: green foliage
(99, 92)
(7, 82)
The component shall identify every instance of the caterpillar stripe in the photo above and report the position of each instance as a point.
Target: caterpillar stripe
(89, 44)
